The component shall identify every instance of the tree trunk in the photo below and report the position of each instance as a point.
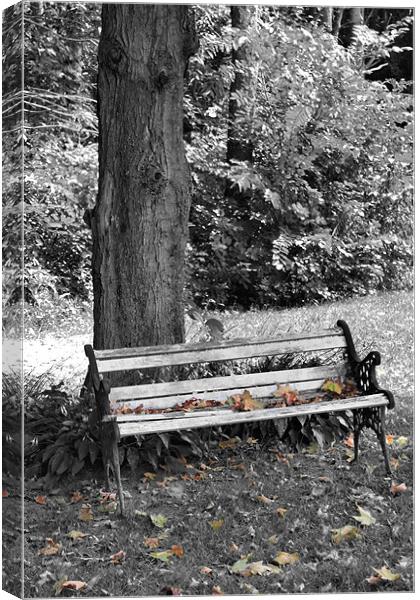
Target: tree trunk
(327, 17)
(353, 17)
(140, 220)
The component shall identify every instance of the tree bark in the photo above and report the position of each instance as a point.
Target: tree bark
(140, 220)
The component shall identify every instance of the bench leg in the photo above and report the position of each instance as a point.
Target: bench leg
(374, 418)
(111, 460)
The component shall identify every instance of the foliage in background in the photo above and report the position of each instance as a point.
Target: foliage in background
(329, 191)
(330, 186)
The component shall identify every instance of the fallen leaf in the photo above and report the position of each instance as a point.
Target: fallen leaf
(170, 591)
(206, 570)
(150, 476)
(264, 500)
(365, 518)
(163, 555)
(273, 539)
(73, 585)
(41, 499)
(151, 542)
(398, 488)
(216, 590)
(74, 535)
(233, 548)
(252, 441)
(108, 507)
(118, 557)
(50, 549)
(386, 574)
(5, 494)
(216, 524)
(85, 513)
(177, 550)
(401, 441)
(332, 386)
(281, 512)
(373, 580)
(285, 558)
(389, 439)
(159, 520)
(239, 566)
(258, 568)
(107, 497)
(348, 532)
(76, 497)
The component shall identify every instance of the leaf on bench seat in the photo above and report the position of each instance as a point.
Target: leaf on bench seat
(244, 402)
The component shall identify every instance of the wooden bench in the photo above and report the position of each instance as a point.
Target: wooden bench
(368, 407)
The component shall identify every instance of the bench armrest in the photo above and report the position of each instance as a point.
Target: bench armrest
(364, 370)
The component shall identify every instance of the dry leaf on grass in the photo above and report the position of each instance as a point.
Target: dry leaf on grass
(349, 441)
(216, 591)
(385, 574)
(177, 550)
(118, 557)
(346, 533)
(5, 494)
(264, 500)
(286, 558)
(74, 585)
(206, 570)
(281, 512)
(365, 518)
(75, 535)
(151, 542)
(85, 513)
(398, 488)
(159, 520)
(169, 590)
(217, 524)
(41, 500)
(52, 548)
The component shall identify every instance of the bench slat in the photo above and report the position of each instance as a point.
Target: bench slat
(193, 386)
(225, 417)
(262, 391)
(235, 350)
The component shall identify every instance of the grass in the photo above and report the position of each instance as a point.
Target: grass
(319, 490)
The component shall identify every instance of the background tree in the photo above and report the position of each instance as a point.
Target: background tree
(140, 220)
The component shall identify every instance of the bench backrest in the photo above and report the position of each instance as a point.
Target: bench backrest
(168, 394)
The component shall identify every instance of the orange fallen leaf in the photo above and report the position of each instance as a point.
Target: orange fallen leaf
(264, 500)
(50, 549)
(151, 542)
(5, 494)
(349, 441)
(74, 585)
(389, 439)
(398, 488)
(177, 550)
(41, 499)
(118, 557)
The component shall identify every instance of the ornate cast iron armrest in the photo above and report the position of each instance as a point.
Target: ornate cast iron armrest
(364, 370)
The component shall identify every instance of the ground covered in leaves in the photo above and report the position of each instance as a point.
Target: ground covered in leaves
(249, 519)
